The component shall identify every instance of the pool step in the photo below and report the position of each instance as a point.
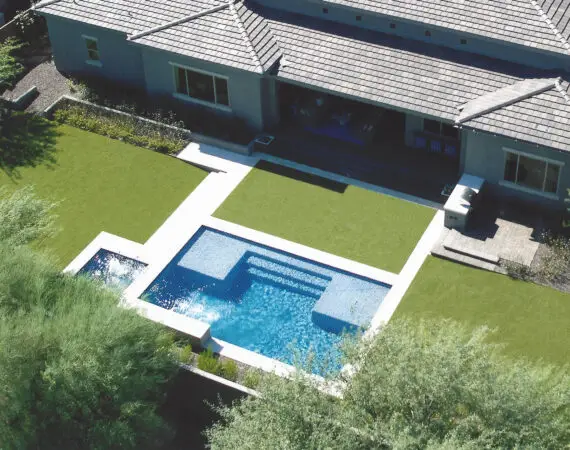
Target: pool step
(285, 270)
(286, 282)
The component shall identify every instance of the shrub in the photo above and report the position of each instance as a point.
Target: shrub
(208, 362)
(252, 378)
(556, 260)
(516, 270)
(229, 370)
(10, 68)
(419, 385)
(123, 128)
(185, 354)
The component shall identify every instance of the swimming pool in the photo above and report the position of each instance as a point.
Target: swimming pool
(112, 269)
(263, 299)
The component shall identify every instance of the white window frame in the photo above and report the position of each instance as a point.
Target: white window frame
(514, 185)
(92, 62)
(197, 100)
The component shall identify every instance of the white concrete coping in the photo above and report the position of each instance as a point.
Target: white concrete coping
(109, 242)
(221, 380)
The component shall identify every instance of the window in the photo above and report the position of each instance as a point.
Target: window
(358, 18)
(392, 25)
(325, 10)
(463, 41)
(428, 33)
(441, 129)
(202, 86)
(532, 172)
(92, 46)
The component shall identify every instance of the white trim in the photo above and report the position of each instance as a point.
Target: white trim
(522, 188)
(94, 62)
(518, 187)
(93, 38)
(530, 155)
(188, 98)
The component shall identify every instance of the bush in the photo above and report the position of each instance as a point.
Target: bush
(229, 370)
(419, 385)
(516, 270)
(123, 128)
(76, 370)
(556, 260)
(10, 68)
(208, 362)
(185, 355)
(252, 378)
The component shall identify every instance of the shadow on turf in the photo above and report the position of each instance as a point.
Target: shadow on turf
(26, 140)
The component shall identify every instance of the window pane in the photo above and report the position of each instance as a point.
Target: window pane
(431, 126)
(93, 55)
(91, 44)
(222, 96)
(201, 86)
(511, 167)
(449, 131)
(531, 172)
(180, 80)
(552, 173)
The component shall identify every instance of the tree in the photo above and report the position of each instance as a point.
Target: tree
(76, 370)
(419, 385)
(25, 218)
(10, 68)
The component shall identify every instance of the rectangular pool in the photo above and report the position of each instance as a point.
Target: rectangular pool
(112, 269)
(264, 299)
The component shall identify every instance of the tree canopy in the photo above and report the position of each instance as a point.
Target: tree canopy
(76, 370)
(10, 68)
(419, 385)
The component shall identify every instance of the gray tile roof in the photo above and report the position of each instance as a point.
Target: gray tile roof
(543, 119)
(379, 68)
(516, 21)
(416, 77)
(233, 36)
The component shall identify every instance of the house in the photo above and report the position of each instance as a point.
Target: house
(484, 82)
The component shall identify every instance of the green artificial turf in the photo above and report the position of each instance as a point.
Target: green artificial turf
(355, 223)
(102, 184)
(533, 321)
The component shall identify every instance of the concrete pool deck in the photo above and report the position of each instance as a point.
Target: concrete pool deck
(228, 171)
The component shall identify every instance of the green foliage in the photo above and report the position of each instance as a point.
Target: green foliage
(556, 261)
(24, 218)
(251, 378)
(10, 68)
(76, 370)
(208, 362)
(229, 370)
(517, 271)
(418, 385)
(123, 128)
(185, 354)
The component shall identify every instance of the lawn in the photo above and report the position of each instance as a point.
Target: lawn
(533, 321)
(355, 223)
(101, 184)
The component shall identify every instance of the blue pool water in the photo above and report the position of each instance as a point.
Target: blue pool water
(112, 269)
(263, 299)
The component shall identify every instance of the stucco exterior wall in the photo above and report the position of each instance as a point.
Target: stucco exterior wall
(244, 87)
(120, 61)
(484, 156)
(413, 125)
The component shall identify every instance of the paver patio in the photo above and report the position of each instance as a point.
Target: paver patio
(351, 222)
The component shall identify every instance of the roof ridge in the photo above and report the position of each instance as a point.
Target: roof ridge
(561, 90)
(243, 31)
(180, 21)
(549, 22)
(503, 97)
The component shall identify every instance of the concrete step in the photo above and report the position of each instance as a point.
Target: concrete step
(472, 253)
(442, 252)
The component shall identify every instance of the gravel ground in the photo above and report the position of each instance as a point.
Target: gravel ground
(50, 83)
